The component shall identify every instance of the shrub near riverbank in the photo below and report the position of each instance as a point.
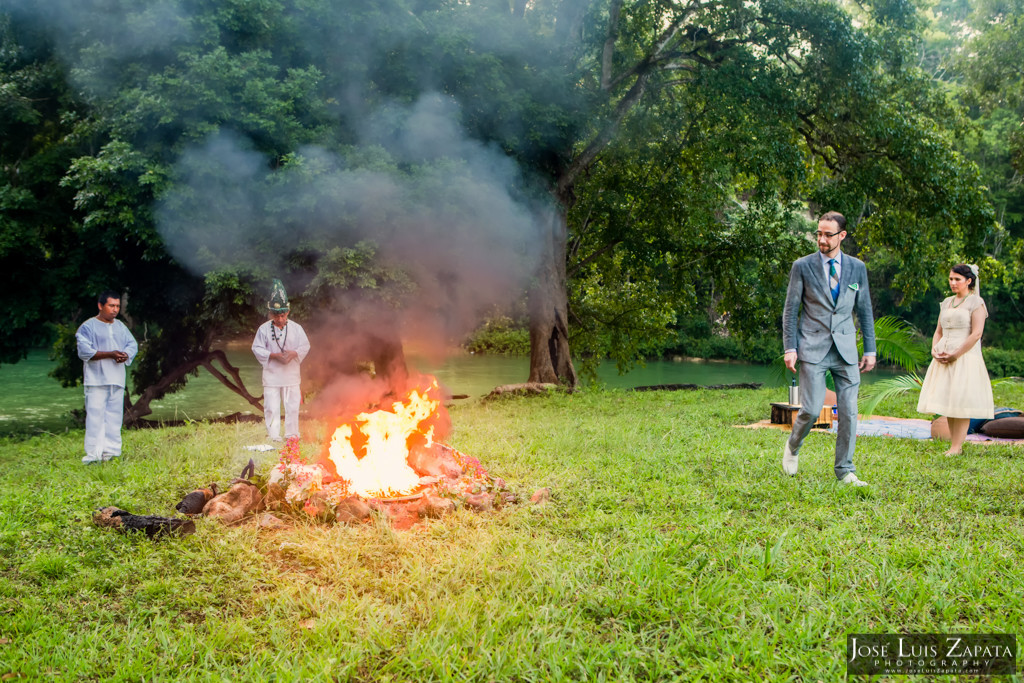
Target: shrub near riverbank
(500, 335)
(1004, 362)
(503, 336)
(673, 547)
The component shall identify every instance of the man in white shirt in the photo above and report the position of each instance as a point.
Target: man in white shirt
(280, 346)
(106, 348)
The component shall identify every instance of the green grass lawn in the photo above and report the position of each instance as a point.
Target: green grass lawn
(673, 549)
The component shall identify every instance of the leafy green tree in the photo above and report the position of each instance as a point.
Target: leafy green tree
(814, 105)
(84, 165)
(990, 64)
(987, 65)
(660, 152)
(43, 126)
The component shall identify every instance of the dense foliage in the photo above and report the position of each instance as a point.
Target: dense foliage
(500, 335)
(414, 164)
(1004, 362)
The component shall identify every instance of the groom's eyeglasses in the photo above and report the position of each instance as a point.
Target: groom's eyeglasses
(830, 235)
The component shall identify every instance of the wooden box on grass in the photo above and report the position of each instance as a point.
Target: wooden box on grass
(784, 414)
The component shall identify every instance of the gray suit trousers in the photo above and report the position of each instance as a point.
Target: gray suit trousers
(812, 396)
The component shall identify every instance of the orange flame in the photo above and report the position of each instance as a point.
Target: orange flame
(371, 451)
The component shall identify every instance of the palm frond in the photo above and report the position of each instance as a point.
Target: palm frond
(875, 393)
(780, 374)
(899, 343)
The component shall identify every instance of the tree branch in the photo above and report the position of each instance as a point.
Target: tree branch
(657, 50)
(140, 408)
(585, 158)
(593, 256)
(608, 53)
(237, 386)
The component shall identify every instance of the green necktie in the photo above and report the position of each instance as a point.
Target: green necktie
(833, 279)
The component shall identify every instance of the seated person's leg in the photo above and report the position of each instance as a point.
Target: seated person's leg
(940, 429)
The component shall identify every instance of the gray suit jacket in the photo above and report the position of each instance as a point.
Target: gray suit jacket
(811, 322)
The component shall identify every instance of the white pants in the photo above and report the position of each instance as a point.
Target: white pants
(104, 410)
(272, 397)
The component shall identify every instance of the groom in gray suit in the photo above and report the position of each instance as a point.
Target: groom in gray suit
(825, 290)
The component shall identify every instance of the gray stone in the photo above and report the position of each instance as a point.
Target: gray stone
(451, 470)
(425, 461)
(380, 507)
(275, 496)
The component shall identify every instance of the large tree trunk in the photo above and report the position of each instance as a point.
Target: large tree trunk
(550, 360)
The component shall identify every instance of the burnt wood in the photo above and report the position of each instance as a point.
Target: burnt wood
(193, 503)
(152, 525)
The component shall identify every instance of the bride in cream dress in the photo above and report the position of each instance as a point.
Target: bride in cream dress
(957, 384)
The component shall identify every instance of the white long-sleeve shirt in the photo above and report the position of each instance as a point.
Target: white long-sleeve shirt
(291, 338)
(94, 336)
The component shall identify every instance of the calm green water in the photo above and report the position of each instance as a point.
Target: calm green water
(30, 401)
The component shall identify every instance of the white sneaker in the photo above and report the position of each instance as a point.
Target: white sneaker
(851, 480)
(789, 460)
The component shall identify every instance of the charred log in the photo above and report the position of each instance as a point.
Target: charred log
(151, 525)
(194, 502)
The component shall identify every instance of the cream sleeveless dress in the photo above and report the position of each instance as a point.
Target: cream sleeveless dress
(961, 388)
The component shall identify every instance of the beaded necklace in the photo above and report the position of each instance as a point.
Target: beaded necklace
(961, 302)
(284, 338)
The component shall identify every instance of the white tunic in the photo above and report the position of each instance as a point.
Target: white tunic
(95, 335)
(291, 338)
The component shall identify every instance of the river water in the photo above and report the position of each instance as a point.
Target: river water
(33, 402)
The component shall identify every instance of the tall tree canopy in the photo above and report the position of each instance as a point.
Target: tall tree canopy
(435, 157)
(991, 83)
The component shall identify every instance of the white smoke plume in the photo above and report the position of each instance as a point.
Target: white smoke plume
(449, 211)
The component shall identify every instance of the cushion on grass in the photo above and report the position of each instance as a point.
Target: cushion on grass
(1004, 428)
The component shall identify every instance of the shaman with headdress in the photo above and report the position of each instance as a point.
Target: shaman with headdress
(280, 346)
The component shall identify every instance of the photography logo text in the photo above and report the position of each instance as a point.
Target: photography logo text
(936, 654)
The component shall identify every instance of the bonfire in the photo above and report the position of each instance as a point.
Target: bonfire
(389, 459)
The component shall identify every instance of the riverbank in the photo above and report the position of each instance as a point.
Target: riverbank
(673, 547)
(33, 402)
